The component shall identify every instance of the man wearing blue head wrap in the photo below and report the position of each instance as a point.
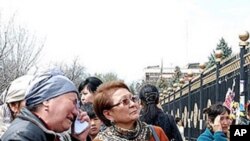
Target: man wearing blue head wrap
(51, 108)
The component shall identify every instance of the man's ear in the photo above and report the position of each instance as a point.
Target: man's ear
(108, 115)
(46, 105)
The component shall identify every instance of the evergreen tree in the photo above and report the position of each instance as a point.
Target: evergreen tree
(227, 51)
(211, 60)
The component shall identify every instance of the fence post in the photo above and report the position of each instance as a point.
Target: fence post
(169, 91)
(218, 56)
(182, 81)
(243, 43)
(175, 90)
(202, 67)
(190, 75)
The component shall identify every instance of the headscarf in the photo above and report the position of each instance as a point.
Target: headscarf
(13, 93)
(48, 85)
(16, 90)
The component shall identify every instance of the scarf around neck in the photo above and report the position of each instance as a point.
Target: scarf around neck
(114, 133)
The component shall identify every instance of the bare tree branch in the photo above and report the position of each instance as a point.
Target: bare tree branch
(75, 71)
(19, 52)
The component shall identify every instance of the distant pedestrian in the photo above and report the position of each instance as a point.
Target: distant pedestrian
(218, 123)
(51, 108)
(180, 127)
(87, 89)
(151, 114)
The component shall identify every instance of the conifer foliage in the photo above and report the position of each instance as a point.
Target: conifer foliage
(227, 51)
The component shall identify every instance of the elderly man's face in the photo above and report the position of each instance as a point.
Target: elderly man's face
(62, 112)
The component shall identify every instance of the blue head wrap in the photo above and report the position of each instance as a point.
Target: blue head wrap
(48, 85)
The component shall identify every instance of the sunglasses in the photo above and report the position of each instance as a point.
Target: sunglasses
(126, 101)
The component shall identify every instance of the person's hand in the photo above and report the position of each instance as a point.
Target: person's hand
(216, 125)
(82, 116)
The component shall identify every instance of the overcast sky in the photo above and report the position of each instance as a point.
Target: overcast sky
(126, 36)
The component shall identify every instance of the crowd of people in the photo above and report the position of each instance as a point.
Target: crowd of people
(45, 106)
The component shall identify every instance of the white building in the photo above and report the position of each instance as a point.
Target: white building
(153, 73)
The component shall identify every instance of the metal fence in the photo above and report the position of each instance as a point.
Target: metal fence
(199, 93)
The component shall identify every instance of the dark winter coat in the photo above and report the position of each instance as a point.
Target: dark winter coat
(27, 127)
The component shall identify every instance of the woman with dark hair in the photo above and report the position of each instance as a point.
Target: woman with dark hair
(119, 110)
(151, 114)
(87, 89)
(218, 123)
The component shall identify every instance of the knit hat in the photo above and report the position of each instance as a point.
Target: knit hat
(48, 85)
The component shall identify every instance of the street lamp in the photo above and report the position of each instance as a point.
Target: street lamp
(243, 43)
(218, 56)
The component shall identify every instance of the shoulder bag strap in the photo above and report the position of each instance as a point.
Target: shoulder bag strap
(154, 133)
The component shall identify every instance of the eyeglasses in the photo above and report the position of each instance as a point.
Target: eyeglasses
(126, 101)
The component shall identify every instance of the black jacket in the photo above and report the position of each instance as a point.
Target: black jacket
(168, 124)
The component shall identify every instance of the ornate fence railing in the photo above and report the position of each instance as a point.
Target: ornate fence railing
(200, 92)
